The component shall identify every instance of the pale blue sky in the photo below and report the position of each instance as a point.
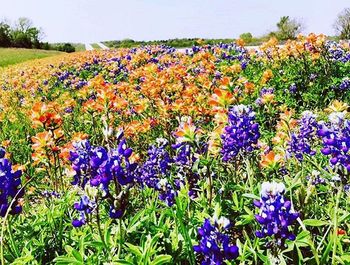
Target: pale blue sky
(95, 20)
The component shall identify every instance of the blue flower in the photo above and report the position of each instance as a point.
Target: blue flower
(10, 187)
(106, 171)
(301, 141)
(215, 246)
(336, 140)
(276, 215)
(241, 134)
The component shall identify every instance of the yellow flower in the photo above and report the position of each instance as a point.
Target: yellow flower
(337, 106)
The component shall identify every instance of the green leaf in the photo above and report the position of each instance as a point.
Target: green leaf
(161, 259)
(315, 222)
(122, 262)
(66, 261)
(251, 196)
(345, 258)
(303, 239)
(77, 255)
(134, 249)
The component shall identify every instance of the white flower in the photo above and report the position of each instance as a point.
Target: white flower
(162, 183)
(336, 117)
(308, 115)
(161, 141)
(315, 173)
(272, 189)
(222, 222)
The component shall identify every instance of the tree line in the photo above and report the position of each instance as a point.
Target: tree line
(23, 34)
(286, 28)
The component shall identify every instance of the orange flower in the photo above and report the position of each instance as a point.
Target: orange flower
(42, 140)
(271, 160)
(240, 42)
(221, 98)
(267, 75)
(249, 87)
(186, 132)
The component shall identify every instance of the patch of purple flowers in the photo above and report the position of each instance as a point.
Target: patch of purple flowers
(155, 172)
(275, 215)
(301, 141)
(336, 139)
(107, 171)
(10, 187)
(241, 134)
(215, 246)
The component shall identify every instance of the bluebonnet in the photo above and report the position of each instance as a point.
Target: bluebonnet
(336, 52)
(344, 84)
(293, 88)
(10, 187)
(315, 178)
(50, 194)
(336, 139)
(184, 160)
(85, 206)
(215, 246)
(301, 142)
(275, 215)
(155, 171)
(241, 134)
(107, 171)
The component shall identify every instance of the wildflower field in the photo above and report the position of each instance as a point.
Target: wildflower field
(220, 155)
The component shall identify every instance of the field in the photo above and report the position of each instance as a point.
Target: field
(221, 155)
(9, 56)
(96, 46)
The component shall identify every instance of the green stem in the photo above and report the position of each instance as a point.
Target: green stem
(99, 228)
(14, 246)
(335, 226)
(184, 231)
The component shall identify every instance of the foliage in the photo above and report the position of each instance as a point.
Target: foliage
(288, 28)
(153, 156)
(24, 35)
(342, 24)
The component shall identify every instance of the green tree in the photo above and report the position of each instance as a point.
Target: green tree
(247, 37)
(288, 28)
(25, 35)
(342, 24)
(5, 35)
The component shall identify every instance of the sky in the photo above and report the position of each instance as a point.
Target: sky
(99, 20)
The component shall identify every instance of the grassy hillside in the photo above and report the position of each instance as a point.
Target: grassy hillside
(96, 46)
(9, 56)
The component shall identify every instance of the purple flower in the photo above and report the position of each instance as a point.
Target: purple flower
(107, 171)
(276, 215)
(215, 246)
(155, 172)
(241, 134)
(336, 140)
(293, 88)
(344, 84)
(10, 187)
(301, 141)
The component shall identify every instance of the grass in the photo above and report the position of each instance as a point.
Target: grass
(96, 46)
(79, 47)
(9, 56)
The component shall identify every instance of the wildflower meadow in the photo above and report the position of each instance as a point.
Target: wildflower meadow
(217, 154)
